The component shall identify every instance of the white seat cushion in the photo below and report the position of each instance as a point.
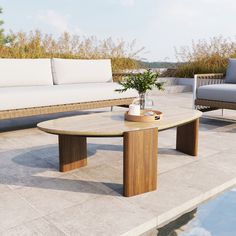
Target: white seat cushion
(25, 72)
(73, 71)
(36, 96)
(218, 92)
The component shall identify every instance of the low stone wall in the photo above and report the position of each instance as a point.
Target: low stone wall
(176, 81)
(174, 85)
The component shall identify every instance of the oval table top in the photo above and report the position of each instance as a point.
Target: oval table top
(108, 124)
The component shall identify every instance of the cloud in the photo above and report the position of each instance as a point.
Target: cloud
(127, 3)
(55, 20)
(197, 231)
(58, 22)
(176, 23)
(194, 228)
(201, 13)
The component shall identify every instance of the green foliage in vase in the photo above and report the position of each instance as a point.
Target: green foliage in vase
(142, 82)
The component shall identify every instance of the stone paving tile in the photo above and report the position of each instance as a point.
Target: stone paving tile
(18, 168)
(4, 188)
(217, 141)
(104, 215)
(223, 161)
(169, 159)
(110, 176)
(205, 151)
(39, 227)
(54, 194)
(105, 153)
(14, 210)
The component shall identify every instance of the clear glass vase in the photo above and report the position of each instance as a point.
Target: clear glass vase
(144, 101)
(148, 103)
(142, 98)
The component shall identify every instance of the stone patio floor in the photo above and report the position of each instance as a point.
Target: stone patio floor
(36, 199)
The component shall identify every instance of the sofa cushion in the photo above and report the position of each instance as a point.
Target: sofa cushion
(35, 96)
(218, 92)
(73, 71)
(231, 72)
(25, 72)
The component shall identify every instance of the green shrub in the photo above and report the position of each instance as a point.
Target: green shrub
(38, 45)
(205, 57)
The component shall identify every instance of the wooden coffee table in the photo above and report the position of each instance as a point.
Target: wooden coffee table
(140, 142)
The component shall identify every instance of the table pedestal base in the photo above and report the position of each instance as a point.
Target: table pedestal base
(72, 152)
(187, 138)
(140, 162)
(140, 155)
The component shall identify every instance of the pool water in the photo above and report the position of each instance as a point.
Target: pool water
(217, 217)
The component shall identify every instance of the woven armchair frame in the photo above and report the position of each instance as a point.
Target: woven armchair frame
(206, 105)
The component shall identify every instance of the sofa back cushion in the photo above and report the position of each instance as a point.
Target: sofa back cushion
(25, 72)
(74, 71)
(231, 72)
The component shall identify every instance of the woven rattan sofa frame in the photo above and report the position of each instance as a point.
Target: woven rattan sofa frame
(17, 113)
(207, 105)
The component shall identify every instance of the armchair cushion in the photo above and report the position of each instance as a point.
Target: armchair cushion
(217, 92)
(231, 72)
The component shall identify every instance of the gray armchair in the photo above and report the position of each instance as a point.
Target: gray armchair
(214, 91)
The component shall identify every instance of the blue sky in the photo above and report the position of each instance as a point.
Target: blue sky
(158, 25)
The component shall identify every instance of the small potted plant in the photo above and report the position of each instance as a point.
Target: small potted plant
(142, 82)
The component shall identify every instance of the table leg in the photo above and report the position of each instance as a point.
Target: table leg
(72, 152)
(140, 161)
(187, 138)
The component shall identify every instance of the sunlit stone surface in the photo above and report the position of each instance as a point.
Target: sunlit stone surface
(37, 199)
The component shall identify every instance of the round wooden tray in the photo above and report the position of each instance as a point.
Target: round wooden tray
(142, 118)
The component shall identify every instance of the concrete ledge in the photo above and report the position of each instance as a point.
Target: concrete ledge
(175, 213)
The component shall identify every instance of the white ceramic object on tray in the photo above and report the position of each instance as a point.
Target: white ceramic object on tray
(134, 110)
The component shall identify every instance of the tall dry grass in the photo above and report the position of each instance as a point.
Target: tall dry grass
(38, 45)
(205, 56)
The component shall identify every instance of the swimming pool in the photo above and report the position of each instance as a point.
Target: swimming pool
(217, 217)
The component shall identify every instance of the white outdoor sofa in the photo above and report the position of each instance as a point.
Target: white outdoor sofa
(31, 87)
(214, 91)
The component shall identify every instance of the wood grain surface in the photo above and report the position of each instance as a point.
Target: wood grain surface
(140, 161)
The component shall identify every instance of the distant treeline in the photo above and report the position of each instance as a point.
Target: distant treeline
(169, 65)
